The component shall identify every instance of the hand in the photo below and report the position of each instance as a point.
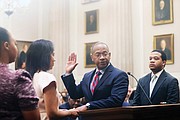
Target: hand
(71, 63)
(82, 108)
(74, 113)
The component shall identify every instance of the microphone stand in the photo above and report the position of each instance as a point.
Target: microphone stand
(140, 86)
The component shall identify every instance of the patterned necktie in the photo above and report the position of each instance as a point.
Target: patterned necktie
(95, 81)
(152, 84)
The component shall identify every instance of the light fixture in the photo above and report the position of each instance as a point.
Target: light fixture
(9, 6)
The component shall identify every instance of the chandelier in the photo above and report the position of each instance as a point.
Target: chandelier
(9, 6)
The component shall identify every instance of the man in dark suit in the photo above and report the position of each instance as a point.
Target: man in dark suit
(111, 87)
(160, 86)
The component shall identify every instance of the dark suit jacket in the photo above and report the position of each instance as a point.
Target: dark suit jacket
(65, 106)
(165, 90)
(110, 91)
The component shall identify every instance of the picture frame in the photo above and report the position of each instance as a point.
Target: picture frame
(88, 1)
(20, 45)
(165, 43)
(88, 61)
(92, 22)
(162, 12)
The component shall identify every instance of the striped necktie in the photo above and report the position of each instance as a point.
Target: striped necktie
(95, 81)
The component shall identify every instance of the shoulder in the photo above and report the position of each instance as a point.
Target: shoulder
(22, 81)
(89, 73)
(116, 70)
(116, 74)
(169, 76)
(22, 75)
(45, 75)
(170, 80)
(145, 77)
(167, 50)
(43, 79)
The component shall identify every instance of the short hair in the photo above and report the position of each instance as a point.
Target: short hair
(97, 43)
(163, 54)
(4, 36)
(39, 55)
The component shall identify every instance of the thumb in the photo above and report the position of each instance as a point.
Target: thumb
(72, 68)
(75, 65)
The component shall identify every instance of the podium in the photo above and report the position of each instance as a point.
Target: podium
(150, 112)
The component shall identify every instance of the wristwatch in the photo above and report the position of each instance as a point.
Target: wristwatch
(88, 106)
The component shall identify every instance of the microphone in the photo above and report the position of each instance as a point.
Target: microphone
(140, 86)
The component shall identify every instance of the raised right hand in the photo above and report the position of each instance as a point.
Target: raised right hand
(71, 63)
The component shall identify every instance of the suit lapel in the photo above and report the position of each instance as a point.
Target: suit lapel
(106, 74)
(147, 81)
(160, 80)
(89, 78)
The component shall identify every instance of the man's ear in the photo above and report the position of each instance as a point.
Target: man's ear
(164, 62)
(6, 45)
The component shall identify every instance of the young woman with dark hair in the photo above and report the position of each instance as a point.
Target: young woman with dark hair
(40, 59)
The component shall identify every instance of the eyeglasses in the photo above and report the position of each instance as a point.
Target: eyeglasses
(104, 54)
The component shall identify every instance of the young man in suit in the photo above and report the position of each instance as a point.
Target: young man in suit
(108, 91)
(160, 86)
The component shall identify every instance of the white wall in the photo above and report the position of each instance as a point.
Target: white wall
(137, 28)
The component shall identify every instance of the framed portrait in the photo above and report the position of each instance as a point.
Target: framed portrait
(88, 1)
(92, 22)
(165, 43)
(88, 61)
(162, 12)
(22, 49)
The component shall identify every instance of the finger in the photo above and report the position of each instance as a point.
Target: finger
(69, 58)
(73, 57)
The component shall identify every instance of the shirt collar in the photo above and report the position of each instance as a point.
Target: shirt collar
(103, 70)
(157, 74)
